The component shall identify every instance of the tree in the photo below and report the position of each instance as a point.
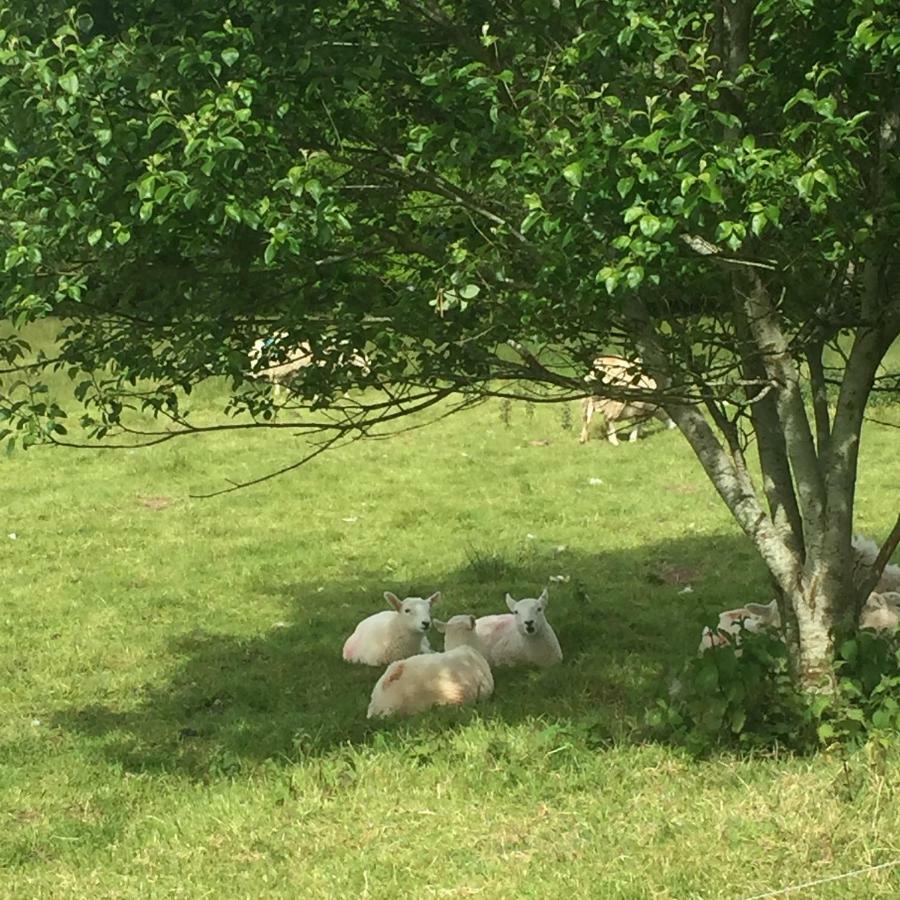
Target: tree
(479, 196)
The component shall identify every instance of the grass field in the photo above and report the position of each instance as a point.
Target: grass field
(177, 721)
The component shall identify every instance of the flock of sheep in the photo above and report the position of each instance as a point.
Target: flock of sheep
(881, 611)
(417, 679)
(273, 359)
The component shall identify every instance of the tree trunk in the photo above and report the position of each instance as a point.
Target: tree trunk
(813, 609)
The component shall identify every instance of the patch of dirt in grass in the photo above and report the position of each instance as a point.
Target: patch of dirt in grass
(155, 502)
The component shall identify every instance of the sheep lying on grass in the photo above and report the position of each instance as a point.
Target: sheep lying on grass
(387, 636)
(620, 373)
(455, 677)
(865, 551)
(521, 637)
(754, 617)
(881, 612)
(460, 631)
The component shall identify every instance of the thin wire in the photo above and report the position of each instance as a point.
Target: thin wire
(800, 887)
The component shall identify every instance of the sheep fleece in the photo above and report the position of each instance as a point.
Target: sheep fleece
(506, 647)
(413, 685)
(378, 640)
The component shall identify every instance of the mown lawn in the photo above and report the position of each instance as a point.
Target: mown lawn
(177, 721)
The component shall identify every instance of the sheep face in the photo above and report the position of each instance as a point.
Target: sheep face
(529, 614)
(414, 612)
(455, 625)
(459, 631)
(881, 611)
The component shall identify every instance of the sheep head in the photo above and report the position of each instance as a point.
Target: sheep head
(529, 614)
(457, 631)
(414, 612)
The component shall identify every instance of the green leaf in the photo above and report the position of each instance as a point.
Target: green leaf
(624, 186)
(634, 276)
(190, 198)
(804, 95)
(469, 291)
(649, 225)
(758, 223)
(572, 173)
(69, 83)
(230, 56)
(314, 189)
(530, 219)
(652, 141)
(94, 236)
(633, 214)
(271, 251)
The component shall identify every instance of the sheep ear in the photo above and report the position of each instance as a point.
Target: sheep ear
(545, 597)
(510, 603)
(435, 598)
(472, 621)
(393, 599)
(441, 626)
(876, 601)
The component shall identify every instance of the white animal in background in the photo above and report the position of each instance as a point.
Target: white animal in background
(754, 617)
(458, 676)
(618, 372)
(279, 373)
(881, 612)
(865, 551)
(292, 359)
(521, 637)
(390, 635)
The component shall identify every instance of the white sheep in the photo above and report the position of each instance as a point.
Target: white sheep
(459, 631)
(387, 636)
(881, 612)
(620, 373)
(753, 617)
(458, 676)
(521, 637)
(865, 551)
(295, 358)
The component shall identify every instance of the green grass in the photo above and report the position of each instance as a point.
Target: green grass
(177, 721)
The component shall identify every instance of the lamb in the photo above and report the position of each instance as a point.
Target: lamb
(521, 637)
(459, 631)
(294, 359)
(388, 636)
(279, 373)
(460, 675)
(865, 551)
(754, 617)
(881, 612)
(620, 373)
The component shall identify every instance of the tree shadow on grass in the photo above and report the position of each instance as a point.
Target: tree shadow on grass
(624, 620)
